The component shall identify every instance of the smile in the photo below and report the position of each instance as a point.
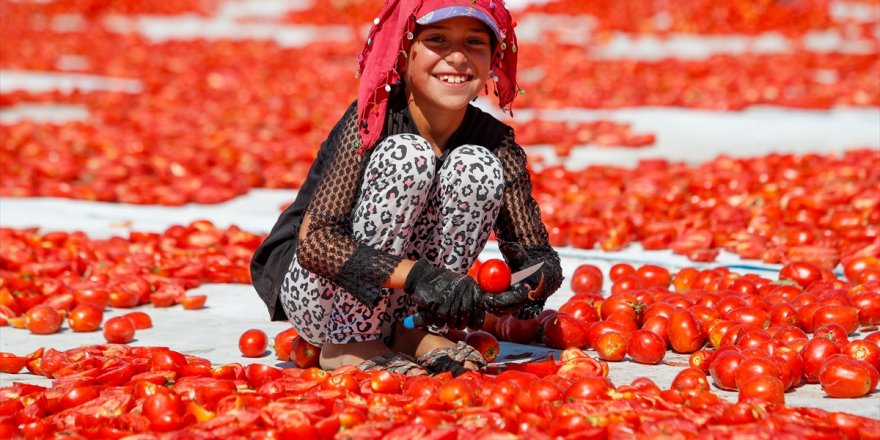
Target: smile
(453, 78)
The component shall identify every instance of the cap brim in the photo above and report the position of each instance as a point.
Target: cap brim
(460, 11)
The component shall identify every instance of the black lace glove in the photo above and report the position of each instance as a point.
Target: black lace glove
(532, 286)
(456, 298)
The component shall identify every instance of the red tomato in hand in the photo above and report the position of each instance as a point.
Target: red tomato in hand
(494, 276)
(252, 343)
(119, 330)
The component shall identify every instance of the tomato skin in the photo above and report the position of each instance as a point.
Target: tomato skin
(304, 354)
(864, 350)
(252, 343)
(814, 354)
(485, 343)
(85, 318)
(646, 347)
(801, 272)
(12, 364)
(43, 319)
(494, 276)
(841, 376)
(283, 343)
(723, 369)
(119, 330)
(685, 334)
(611, 346)
(589, 388)
(768, 389)
(140, 320)
(587, 278)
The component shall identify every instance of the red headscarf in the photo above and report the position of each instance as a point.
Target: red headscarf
(391, 35)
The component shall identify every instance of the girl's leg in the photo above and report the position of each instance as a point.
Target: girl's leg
(455, 226)
(396, 184)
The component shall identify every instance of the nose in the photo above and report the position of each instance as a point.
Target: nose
(456, 55)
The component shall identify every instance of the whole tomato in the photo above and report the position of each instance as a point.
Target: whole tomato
(304, 354)
(690, 379)
(590, 388)
(801, 272)
(864, 350)
(43, 319)
(519, 331)
(587, 278)
(284, 343)
(611, 346)
(685, 333)
(85, 318)
(563, 331)
(252, 343)
(768, 389)
(653, 275)
(842, 376)
(814, 354)
(868, 305)
(485, 343)
(119, 330)
(494, 276)
(752, 367)
(723, 369)
(646, 347)
(140, 320)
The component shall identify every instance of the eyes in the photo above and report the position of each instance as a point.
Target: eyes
(436, 39)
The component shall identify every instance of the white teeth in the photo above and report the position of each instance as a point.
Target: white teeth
(453, 79)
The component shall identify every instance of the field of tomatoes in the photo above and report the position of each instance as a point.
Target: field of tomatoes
(94, 345)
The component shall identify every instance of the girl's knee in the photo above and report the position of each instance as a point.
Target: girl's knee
(407, 157)
(476, 164)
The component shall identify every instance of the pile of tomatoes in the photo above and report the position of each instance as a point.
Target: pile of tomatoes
(735, 327)
(47, 277)
(112, 391)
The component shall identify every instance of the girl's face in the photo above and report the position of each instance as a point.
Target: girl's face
(448, 63)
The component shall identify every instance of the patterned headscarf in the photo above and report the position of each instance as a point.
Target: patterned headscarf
(392, 35)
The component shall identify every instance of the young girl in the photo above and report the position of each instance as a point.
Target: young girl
(403, 196)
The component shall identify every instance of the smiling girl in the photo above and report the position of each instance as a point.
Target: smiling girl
(403, 196)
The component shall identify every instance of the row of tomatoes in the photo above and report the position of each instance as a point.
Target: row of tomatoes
(115, 390)
(45, 277)
(777, 208)
(736, 327)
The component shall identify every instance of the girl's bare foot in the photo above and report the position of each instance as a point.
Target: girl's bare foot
(417, 342)
(334, 356)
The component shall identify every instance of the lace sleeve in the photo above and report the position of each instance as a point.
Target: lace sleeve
(520, 218)
(329, 248)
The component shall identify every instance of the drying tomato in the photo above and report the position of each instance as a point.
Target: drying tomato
(284, 343)
(140, 320)
(11, 364)
(864, 350)
(85, 318)
(562, 331)
(587, 278)
(611, 346)
(814, 354)
(842, 376)
(252, 343)
(768, 389)
(646, 347)
(685, 333)
(193, 302)
(43, 319)
(485, 343)
(304, 354)
(801, 272)
(119, 330)
(494, 276)
(590, 388)
(384, 381)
